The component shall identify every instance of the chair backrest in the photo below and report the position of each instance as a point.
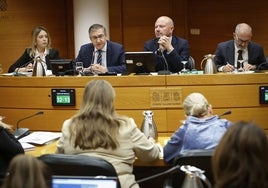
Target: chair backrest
(198, 158)
(78, 165)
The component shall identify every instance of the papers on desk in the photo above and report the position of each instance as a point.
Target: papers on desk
(26, 146)
(40, 137)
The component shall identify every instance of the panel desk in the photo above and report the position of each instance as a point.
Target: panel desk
(23, 96)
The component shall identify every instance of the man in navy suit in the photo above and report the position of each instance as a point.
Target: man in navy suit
(227, 53)
(102, 55)
(169, 50)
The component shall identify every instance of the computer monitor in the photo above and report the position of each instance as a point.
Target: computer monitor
(140, 62)
(84, 181)
(61, 67)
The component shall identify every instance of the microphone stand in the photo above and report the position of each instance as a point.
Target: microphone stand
(160, 53)
(21, 132)
(225, 113)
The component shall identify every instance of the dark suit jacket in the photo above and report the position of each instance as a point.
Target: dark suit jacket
(181, 52)
(9, 147)
(225, 52)
(115, 56)
(25, 59)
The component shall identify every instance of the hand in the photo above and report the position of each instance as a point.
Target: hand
(165, 44)
(228, 68)
(97, 68)
(248, 67)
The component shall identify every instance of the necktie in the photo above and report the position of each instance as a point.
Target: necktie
(240, 57)
(99, 58)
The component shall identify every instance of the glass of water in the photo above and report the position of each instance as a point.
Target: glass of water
(79, 67)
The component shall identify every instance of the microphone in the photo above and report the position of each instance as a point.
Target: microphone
(160, 53)
(173, 169)
(89, 72)
(21, 132)
(225, 113)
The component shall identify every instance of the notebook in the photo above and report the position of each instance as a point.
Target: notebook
(84, 181)
(140, 62)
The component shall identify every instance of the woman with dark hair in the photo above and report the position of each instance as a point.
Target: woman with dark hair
(40, 48)
(9, 147)
(241, 158)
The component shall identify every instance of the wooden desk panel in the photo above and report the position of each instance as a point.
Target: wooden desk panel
(24, 96)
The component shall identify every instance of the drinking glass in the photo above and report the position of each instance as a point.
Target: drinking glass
(79, 67)
(241, 69)
(184, 70)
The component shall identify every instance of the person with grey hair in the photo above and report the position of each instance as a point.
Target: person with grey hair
(229, 53)
(101, 55)
(200, 130)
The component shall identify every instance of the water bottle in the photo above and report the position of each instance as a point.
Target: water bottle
(148, 125)
(38, 69)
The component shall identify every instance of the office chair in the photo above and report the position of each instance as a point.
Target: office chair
(197, 158)
(78, 165)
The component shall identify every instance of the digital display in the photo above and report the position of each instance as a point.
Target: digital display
(263, 94)
(63, 97)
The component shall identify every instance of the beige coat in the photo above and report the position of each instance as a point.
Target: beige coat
(132, 143)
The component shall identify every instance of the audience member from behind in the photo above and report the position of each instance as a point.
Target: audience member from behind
(227, 53)
(167, 47)
(26, 171)
(201, 129)
(97, 130)
(240, 159)
(9, 147)
(112, 54)
(40, 48)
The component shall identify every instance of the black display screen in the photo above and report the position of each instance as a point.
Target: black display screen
(63, 97)
(263, 94)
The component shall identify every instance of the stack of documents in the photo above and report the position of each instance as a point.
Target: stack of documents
(38, 138)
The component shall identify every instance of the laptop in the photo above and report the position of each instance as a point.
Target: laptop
(140, 62)
(59, 181)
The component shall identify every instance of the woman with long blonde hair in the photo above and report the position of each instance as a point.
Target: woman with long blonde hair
(97, 130)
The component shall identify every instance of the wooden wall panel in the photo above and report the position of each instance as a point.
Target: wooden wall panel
(215, 20)
(17, 22)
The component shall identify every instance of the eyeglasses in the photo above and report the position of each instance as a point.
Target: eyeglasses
(101, 36)
(240, 41)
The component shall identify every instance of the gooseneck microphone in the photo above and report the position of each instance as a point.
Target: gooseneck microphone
(225, 113)
(159, 52)
(21, 132)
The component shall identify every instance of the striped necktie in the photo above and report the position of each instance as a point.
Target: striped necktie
(99, 58)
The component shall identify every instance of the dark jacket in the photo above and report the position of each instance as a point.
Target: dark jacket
(225, 53)
(9, 147)
(26, 59)
(115, 56)
(181, 52)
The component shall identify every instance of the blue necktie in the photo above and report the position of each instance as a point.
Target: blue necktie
(99, 58)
